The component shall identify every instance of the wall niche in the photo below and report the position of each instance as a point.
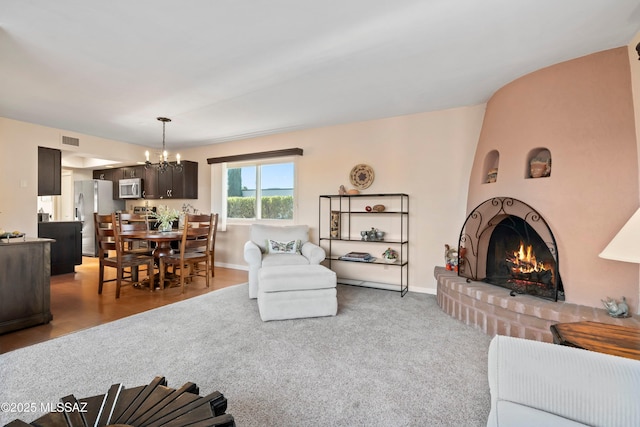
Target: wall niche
(538, 163)
(491, 163)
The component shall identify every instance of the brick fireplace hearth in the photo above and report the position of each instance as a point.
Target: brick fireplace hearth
(492, 310)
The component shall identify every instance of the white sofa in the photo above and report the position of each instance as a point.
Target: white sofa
(535, 383)
(256, 255)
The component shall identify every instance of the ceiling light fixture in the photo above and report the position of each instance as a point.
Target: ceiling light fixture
(163, 162)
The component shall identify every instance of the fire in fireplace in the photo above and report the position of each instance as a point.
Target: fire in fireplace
(525, 266)
(507, 243)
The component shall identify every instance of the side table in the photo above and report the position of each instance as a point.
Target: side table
(616, 340)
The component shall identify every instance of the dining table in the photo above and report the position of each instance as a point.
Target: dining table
(163, 240)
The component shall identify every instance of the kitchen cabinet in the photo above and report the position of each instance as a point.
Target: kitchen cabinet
(106, 174)
(137, 171)
(170, 184)
(150, 186)
(49, 172)
(173, 184)
(66, 251)
(25, 297)
(113, 174)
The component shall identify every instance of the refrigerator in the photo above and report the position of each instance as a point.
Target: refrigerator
(93, 196)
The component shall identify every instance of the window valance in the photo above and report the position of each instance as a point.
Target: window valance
(256, 156)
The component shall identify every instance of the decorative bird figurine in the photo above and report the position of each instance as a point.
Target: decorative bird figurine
(616, 309)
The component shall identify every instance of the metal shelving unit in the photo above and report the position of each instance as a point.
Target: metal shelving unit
(349, 209)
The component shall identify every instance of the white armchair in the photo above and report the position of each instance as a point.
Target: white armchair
(536, 383)
(257, 255)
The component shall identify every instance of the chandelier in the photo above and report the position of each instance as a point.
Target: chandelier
(163, 163)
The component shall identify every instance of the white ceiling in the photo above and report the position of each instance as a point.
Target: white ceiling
(229, 69)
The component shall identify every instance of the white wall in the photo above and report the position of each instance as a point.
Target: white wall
(19, 143)
(427, 156)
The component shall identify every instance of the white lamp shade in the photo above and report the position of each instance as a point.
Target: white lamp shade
(625, 246)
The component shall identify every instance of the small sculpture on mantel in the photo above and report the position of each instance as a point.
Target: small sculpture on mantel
(450, 258)
(616, 309)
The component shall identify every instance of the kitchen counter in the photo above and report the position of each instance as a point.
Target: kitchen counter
(66, 251)
(25, 273)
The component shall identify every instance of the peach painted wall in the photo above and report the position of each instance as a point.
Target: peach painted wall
(582, 112)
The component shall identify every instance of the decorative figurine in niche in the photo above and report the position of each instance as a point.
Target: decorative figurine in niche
(492, 175)
(540, 167)
(450, 258)
(616, 309)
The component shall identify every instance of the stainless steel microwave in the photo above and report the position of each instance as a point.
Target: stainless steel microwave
(130, 188)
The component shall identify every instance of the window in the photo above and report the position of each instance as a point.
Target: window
(270, 183)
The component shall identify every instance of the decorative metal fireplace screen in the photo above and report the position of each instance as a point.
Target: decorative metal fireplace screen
(507, 243)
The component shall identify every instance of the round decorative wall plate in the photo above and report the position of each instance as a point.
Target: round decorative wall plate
(362, 176)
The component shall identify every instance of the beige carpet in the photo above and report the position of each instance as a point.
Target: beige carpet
(382, 361)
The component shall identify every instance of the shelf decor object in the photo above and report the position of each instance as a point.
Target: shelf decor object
(361, 176)
(390, 256)
(354, 242)
(335, 224)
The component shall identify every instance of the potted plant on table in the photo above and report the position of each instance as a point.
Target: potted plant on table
(165, 217)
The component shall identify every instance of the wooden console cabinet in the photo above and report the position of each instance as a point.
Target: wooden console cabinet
(25, 274)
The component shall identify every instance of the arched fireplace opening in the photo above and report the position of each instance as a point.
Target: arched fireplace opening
(507, 243)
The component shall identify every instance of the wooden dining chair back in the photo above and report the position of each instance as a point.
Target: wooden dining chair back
(194, 258)
(105, 242)
(213, 242)
(135, 222)
(109, 239)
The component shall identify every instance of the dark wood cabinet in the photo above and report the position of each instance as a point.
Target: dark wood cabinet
(114, 175)
(165, 184)
(150, 185)
(66, 251)
(137, 171)
(185, 183)
(24, 284)
(49, 172)
(170, 184)
(107, 174)
(178, 184)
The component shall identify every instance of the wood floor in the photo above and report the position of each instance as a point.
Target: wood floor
(75, 303)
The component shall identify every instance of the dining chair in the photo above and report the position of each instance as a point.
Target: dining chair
(213, 243)
(109, 240)
(135, 222)
(104, 242)
(196, 247)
